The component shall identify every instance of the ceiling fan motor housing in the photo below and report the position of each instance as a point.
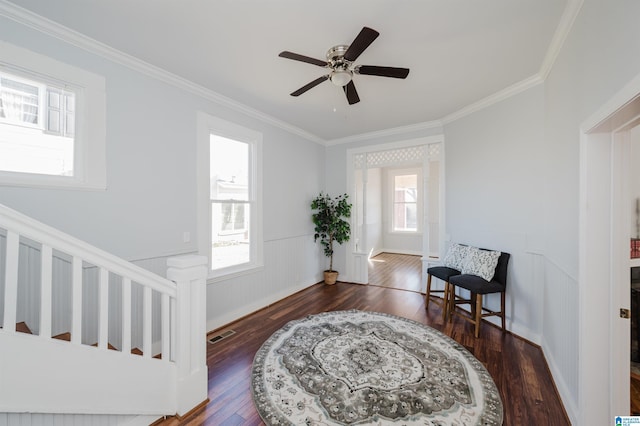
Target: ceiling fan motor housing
(341, 73)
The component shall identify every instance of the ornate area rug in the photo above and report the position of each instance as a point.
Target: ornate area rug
(357, 368)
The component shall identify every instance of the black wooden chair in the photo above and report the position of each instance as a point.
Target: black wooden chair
(477, 288)
(445, 274)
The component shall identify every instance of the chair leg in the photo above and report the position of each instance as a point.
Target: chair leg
(445, 303)
(452, 301)
(478, 313)
(502, 310)
(473, 297)
(428, 296)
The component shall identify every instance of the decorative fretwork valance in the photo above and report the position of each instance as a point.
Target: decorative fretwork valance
(399, 156)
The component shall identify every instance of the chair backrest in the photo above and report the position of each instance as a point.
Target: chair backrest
(501, 269)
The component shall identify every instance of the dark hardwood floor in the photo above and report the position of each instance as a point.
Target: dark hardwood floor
(517, 366)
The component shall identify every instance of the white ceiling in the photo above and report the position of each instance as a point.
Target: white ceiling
(459, 51)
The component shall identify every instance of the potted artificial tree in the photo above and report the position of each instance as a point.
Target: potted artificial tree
(331, 226)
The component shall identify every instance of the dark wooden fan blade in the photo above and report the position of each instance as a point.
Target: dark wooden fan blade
(311, 85)
(352, 93)
(302, 58)
(382, 71)
(361, 42)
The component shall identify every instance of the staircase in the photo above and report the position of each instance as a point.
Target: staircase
(83, 332)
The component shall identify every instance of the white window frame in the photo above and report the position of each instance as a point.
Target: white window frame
(207, 125)
(392, 198)
(90, 112)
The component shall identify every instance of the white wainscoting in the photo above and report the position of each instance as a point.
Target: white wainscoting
(560, 334)
(21, 419)
(290, 265)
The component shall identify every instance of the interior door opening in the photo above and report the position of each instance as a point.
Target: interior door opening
(607, 180)
(397, 191)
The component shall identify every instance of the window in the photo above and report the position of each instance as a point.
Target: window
(230, 195)
(51, 122)
(37, 126)
(230, 209)
(406, 203)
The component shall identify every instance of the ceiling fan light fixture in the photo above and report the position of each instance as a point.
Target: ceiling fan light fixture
(340, 65)
(341, 77)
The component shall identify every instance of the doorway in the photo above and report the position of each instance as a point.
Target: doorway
(606, 216)
(370, 175)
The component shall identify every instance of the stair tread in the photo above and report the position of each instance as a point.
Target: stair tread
(137, 351)
(63, 336)
(109, 346)
(22, 327)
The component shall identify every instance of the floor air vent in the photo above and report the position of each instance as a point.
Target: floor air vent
(221, 336)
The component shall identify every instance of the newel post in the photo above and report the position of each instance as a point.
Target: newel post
(190, 275)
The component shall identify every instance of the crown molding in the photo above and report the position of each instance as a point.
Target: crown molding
(500, 96)
(567, 19)
(386, 132)
(67, 35)
(562, 31)
(46, 26)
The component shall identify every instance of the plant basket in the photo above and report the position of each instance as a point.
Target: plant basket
(330, 277)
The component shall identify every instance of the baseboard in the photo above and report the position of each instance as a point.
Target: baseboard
(520, 331)
(375, 253)
(400, 251)
(143, 421)
(233, 316)
(565, 395)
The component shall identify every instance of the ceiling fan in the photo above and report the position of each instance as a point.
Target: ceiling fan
(340, 61)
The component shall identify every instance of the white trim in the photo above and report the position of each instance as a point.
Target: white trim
(600, 243)
(206, 125)
(228, 318)
(396, 131)
(598, 121)
(400, 251)
(90, 136)
(567, 19)
(46, 26)
(494, 98)
(425, 140)
(360, 275)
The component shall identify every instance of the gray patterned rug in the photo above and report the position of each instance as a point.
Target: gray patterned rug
(357, 368)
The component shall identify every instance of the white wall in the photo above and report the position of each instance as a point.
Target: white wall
(495, 168)
(150, 201)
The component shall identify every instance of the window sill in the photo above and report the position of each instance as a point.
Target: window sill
(34, 180)
(416, 233)
(232, 272)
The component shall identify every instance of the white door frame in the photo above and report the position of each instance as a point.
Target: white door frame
(604, 343)
(357, 262)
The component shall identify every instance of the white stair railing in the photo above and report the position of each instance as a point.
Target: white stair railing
(172, 312)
